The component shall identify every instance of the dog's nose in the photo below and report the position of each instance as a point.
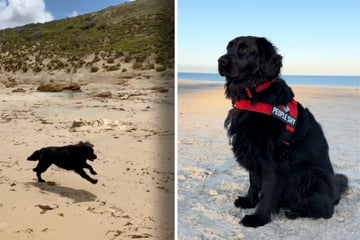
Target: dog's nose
(223, 61)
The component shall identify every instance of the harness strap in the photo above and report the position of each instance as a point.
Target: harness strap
(260, 88)
(287, 114)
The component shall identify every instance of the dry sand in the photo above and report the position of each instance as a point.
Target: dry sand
(132, 130)
(209, 179)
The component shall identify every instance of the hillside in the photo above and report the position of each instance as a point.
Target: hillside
(137, 35)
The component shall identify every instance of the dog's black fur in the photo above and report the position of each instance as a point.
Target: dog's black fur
(298, 177)
(71, 157)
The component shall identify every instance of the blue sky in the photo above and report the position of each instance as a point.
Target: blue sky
(15, 13)
(314, 37)
(64, 8)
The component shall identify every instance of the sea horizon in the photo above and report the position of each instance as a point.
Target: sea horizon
(291, 79)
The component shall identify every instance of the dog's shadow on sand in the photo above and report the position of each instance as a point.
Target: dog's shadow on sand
(77, 195)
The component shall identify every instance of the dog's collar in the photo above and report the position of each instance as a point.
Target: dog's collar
(259, 88)
(285, 113)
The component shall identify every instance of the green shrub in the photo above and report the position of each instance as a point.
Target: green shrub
(96, 59)
(36, 69)
(118, 54)
(150, 66)
(112, 68)
(35, 36)
(127, 58)
(137, 66)
(101, 26)
(140, 58)
(160, 68)
(110, 60)
(94, 69)
(88, 25)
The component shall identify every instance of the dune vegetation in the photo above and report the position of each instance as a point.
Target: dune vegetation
(139, 34)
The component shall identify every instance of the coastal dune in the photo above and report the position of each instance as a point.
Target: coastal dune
(209, 179)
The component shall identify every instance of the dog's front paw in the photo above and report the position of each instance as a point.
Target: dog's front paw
(291, 214)
(93, 172)
(245, 202)
(254, 221)
(94, 181)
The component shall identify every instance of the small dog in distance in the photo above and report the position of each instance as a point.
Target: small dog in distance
(70, 157)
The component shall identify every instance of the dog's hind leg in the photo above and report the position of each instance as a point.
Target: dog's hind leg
(319, 205)
(83, 174)
(40, 168)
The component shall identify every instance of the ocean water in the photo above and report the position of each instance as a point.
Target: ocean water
(292, 80)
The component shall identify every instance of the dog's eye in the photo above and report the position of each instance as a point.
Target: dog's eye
(243, 50)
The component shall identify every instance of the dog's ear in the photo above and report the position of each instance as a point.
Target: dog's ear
(270, 60)
(87, 144)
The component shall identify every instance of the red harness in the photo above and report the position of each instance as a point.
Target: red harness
(260, 88)
(287, 114)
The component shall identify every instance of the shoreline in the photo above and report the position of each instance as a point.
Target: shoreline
(198, 84)
(292, 80)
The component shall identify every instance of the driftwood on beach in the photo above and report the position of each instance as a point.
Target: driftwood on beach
(58, 87)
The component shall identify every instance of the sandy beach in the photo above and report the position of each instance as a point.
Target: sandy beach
(209, 179)
(130, 122)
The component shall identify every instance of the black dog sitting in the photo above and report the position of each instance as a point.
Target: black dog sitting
(275, 138)
(71, 157)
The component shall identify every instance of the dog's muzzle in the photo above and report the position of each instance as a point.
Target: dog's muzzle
(93, 157)
(223, 64)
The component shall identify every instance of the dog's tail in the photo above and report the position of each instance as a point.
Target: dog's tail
(341, 185)
(35, 156)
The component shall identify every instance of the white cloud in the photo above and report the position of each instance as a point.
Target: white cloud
(74, 14)
(15, 13)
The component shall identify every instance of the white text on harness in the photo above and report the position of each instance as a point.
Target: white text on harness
(283, 116)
